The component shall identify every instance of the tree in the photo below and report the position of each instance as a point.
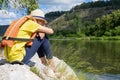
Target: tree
(107, 23)
(28, 4)
(3, 4)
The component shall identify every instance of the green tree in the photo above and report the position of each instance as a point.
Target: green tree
(3, 4)
(77, 23)
(28, 4)
(107, 23)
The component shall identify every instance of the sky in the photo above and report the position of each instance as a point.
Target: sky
(60, 5)
(6, 17)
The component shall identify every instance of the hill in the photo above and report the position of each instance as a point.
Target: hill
(53, 15)
(65, 20)
(88, 19)
(2, 29)
(81, 17)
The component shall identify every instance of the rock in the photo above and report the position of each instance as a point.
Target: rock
(23, 72)
(17, 72)
(63, 71)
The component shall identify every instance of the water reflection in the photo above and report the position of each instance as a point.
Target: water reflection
(90, 76)
(98, 58)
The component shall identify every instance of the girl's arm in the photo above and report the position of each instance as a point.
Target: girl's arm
(46, 30)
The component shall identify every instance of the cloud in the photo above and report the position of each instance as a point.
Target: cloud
(58, 5)
(6, 17)
(46, 5)
(59, 1)
(94, 0)
(6, 14)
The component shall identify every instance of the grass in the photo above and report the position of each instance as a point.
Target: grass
(36, 71)
(0, 38)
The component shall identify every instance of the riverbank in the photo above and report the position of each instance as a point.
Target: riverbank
(86, 38)
(83, 38)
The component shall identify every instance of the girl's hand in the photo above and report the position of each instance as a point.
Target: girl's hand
(42, 35)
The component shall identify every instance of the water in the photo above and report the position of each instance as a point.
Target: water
(91, 76)
(91, 60)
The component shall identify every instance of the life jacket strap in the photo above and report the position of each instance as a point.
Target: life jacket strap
(18, 39)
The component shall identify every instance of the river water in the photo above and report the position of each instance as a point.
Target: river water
(90, 59)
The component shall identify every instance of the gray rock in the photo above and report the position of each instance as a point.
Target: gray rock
(17, 72)
(23, 72)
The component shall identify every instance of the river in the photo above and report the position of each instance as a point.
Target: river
(90, 59)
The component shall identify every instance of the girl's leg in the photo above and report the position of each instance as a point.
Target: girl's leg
(46, 51)
(46, 47)
(30, 51)
(41, 55)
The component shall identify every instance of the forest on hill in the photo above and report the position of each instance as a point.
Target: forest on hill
(100, 18)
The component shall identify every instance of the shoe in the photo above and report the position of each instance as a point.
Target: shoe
(3, 61)
(17, 62)
(30, 63)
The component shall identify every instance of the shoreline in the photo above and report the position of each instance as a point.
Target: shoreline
(83, 38)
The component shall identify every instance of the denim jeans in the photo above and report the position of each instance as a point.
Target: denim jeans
(39, 46)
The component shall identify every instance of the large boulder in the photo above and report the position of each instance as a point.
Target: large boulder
(23, 72)
(17, 72)
(63, 71)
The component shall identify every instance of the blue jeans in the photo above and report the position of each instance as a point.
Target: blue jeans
(41, 46)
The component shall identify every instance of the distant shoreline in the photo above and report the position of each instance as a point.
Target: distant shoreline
(82, 38)
(86, 38)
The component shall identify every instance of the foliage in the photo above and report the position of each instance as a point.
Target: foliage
(53, 15)
(32, 5)
(99, 3)
(77, 24)
(89, 19)
(3, 4)
(28, 4)
(91, 5)
(69, 16)
(36, 71)
(61, 33)
(107, 24)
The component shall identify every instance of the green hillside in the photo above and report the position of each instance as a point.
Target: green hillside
(84, 19)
